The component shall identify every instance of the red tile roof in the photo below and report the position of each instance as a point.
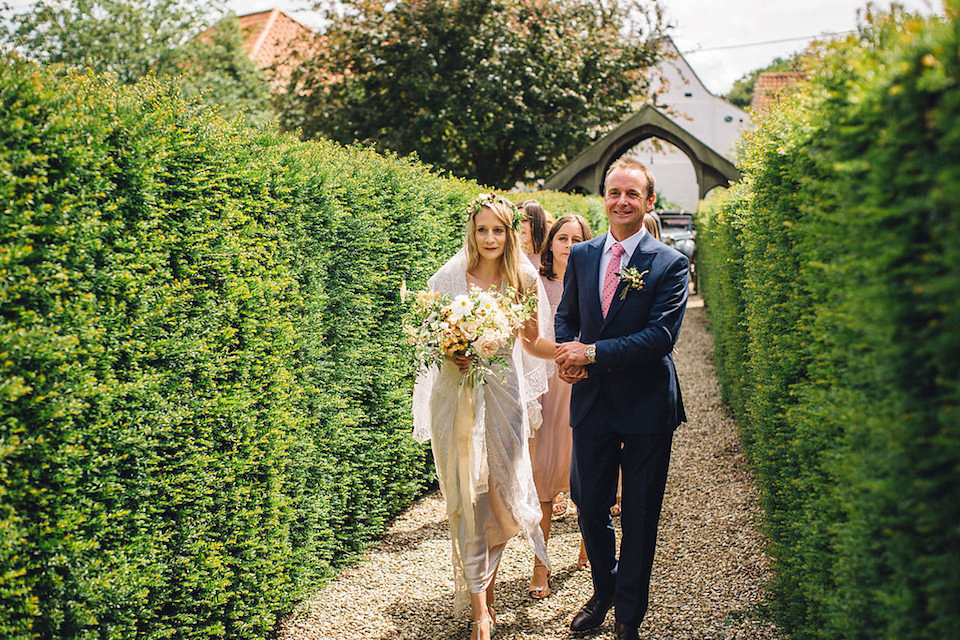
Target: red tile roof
(271, 36)
(770, 84)
(275, 42)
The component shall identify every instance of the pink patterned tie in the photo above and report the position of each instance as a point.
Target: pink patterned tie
(610, 278)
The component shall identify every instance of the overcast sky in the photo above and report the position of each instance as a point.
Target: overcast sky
(721, 39)
(725, 39)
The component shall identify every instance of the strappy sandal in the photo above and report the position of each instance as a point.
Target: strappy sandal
(559, 506)
(475, 627)
(542, 591)
(491, 614)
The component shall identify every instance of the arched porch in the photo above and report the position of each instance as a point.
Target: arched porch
(586, 172)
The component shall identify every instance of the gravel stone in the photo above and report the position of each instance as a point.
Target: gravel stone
(709, 572)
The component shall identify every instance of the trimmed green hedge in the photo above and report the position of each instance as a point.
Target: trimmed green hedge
(203, 384)
(205, 390)
(721, 271)
(832, 275)
(559, 204)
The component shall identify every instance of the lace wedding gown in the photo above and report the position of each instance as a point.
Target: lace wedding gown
(484, 473)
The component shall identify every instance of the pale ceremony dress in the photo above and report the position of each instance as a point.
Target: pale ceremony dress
(485, 476)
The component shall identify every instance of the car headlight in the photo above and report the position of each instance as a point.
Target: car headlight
(686, 247)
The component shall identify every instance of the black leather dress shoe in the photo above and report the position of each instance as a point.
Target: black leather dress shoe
(626, 632)
(591, 616)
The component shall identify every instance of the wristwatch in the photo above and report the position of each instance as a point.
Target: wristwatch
(591, 353)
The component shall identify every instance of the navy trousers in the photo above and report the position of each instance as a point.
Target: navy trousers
(599, 455)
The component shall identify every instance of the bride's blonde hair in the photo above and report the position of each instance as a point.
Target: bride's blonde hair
(510, 259)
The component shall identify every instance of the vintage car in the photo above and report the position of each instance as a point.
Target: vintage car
(676, 230)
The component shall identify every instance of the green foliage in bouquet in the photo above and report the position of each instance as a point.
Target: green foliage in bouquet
(846, 228)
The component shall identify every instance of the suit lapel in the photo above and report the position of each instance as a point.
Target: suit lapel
(592, 270)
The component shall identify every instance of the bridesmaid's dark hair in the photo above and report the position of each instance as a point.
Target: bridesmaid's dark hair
(546, 256)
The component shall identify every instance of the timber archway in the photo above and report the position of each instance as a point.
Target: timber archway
(586, 172)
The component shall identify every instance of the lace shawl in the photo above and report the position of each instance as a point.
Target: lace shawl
(533, 372)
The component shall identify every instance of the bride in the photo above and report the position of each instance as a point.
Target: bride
(505, 410)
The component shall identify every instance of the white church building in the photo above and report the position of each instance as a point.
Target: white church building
(682, 97)
(687, 136)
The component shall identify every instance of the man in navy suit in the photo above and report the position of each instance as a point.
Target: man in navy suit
(618, 328)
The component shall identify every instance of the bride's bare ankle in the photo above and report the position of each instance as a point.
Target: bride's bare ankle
(482, 629)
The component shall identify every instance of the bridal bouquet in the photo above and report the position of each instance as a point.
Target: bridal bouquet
(477, 324)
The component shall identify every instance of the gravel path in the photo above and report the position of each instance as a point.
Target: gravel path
(707, 578)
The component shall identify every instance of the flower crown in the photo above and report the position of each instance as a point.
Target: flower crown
(487, 199)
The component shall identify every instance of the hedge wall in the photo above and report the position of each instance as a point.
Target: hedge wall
(832, 275)
(720, 265)
(590, 207)
(205, 393)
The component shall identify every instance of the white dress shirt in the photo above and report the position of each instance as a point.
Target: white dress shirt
(629, 245)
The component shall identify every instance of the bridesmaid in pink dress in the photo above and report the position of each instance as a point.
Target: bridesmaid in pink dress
(552, 443)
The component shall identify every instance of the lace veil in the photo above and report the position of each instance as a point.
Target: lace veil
(463, 461)
(533, 372)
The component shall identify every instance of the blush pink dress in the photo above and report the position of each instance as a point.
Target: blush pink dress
(552, 444)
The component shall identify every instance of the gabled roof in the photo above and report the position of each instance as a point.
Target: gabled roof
(270, 36)
(274, 41)
(672, 54)
(587, 171)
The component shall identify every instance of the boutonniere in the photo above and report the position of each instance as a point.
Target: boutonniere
(632, 279)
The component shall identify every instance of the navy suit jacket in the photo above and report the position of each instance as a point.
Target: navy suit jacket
(633, 387)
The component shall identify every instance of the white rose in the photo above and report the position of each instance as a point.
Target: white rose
(488, 343)
(469, 329)
(500, 320)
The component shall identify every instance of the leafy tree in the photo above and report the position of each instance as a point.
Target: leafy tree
(128, 37)
(495, 90)
(216, 68)
(134, 38)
